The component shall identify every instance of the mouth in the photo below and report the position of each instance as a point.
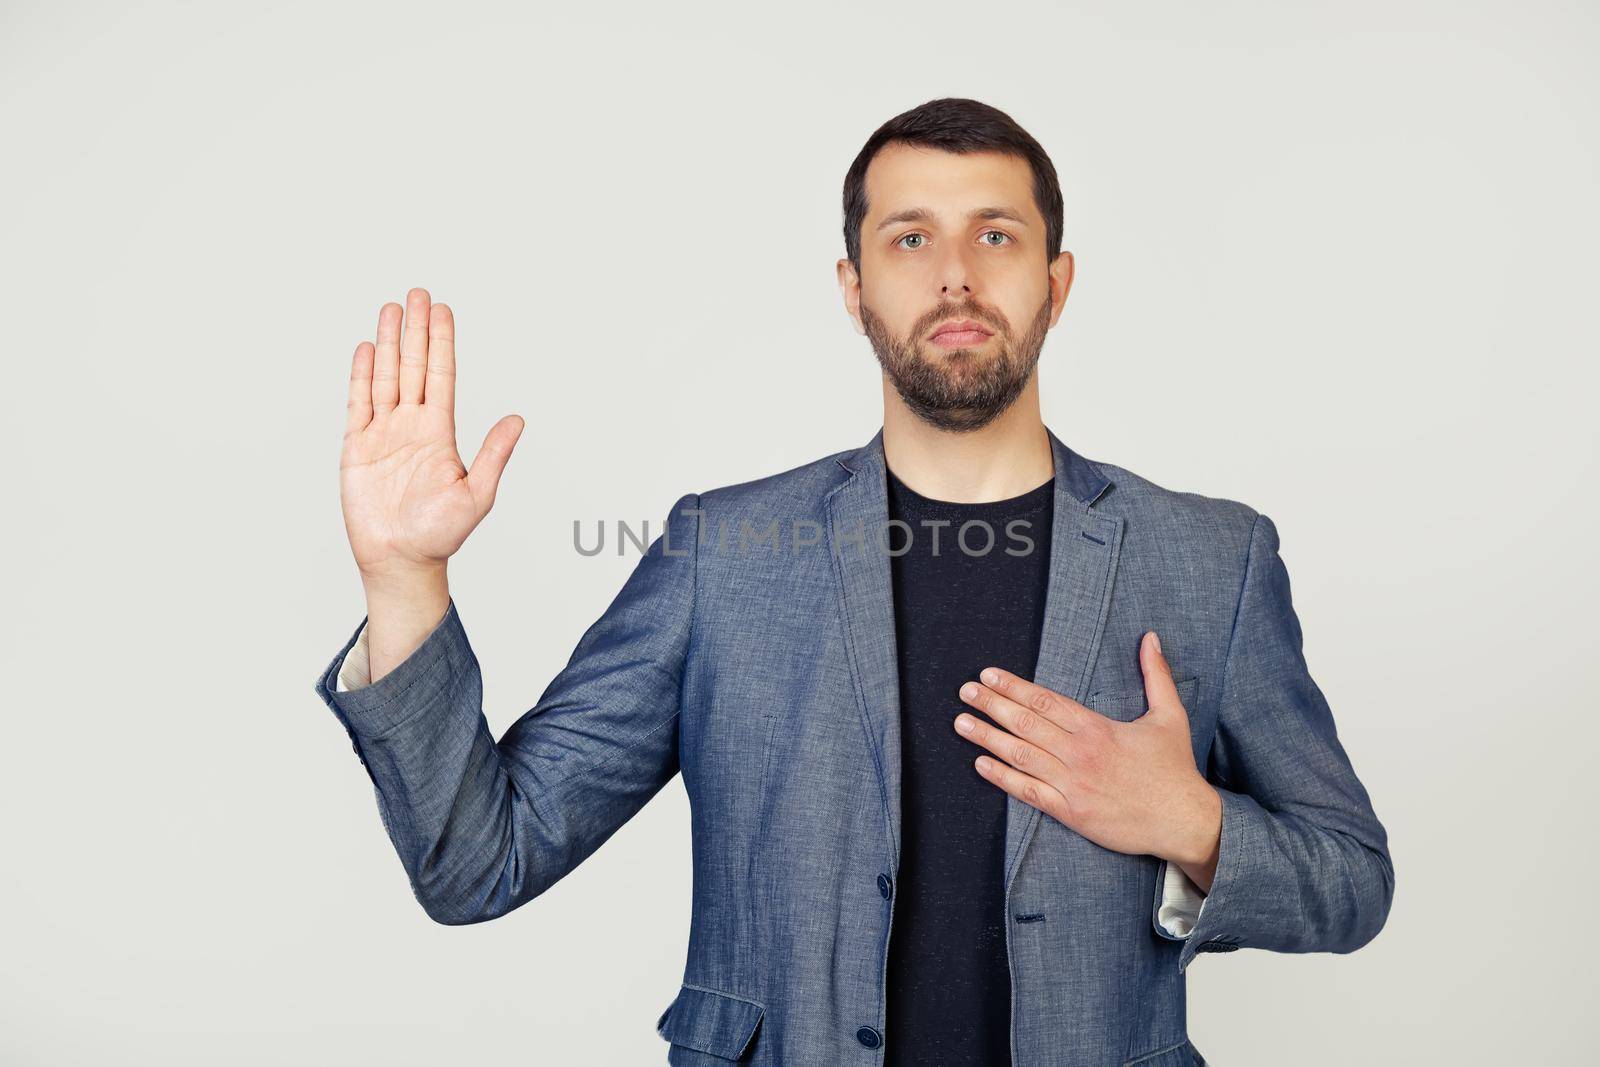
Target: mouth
(960, 333)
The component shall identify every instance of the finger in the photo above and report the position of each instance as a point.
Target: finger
(1065, 712)
(1159, 689)
(1021, 754)
(386, 361)
(483, 479)
(440, 389)
(414, 347)
(1025, 788)
(1023, 722)
(358, 408)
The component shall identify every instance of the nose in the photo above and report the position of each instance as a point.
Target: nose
(955, 273)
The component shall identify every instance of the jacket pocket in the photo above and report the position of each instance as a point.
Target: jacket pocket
(1179, 1055)
(1127, 705)
(706, 1021)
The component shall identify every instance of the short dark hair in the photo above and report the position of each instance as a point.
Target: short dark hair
(955, 124)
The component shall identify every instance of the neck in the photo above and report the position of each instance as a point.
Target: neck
(1004, 459)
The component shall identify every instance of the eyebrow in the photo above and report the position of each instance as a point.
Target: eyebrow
(922, 214)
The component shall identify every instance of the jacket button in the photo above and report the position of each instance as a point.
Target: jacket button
(869, 1037)
(883, 885)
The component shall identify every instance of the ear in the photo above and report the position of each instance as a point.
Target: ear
(1061, 271)
(850, 289)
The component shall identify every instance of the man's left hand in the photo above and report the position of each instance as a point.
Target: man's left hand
(1131, 787)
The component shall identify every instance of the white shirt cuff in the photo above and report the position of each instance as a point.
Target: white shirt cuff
(1181, 902)
(356, 671)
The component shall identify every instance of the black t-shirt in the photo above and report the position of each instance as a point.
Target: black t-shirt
(956, 612)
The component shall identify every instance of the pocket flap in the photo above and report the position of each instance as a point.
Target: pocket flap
(718, 1024)
(1127, 706)
(1183, 1054)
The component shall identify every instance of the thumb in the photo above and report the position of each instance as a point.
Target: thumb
(1159, 690)
(484, 476)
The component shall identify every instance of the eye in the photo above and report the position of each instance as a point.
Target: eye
(987, 233)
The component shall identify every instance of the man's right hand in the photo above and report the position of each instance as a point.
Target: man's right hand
(408, 501)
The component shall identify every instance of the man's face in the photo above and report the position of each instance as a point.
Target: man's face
(952, 237)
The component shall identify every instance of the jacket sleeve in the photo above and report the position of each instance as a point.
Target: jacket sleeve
(482, 827)
(1303, 863)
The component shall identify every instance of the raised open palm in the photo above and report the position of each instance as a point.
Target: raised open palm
(408, 500)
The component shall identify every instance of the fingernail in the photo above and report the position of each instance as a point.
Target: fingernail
(1156, 638)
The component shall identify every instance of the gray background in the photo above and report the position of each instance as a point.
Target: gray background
(1334, 261)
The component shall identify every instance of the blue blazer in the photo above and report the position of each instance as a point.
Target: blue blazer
(763, 669)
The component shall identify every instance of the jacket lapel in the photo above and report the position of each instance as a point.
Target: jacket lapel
(857, 510)
(1084, 545)
(1084, 548)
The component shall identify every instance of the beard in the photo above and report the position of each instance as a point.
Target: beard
(958, 389)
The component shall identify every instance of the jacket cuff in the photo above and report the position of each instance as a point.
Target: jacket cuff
(1244, 835)
(374, 709)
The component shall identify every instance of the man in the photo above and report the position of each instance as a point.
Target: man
(1057, 761)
